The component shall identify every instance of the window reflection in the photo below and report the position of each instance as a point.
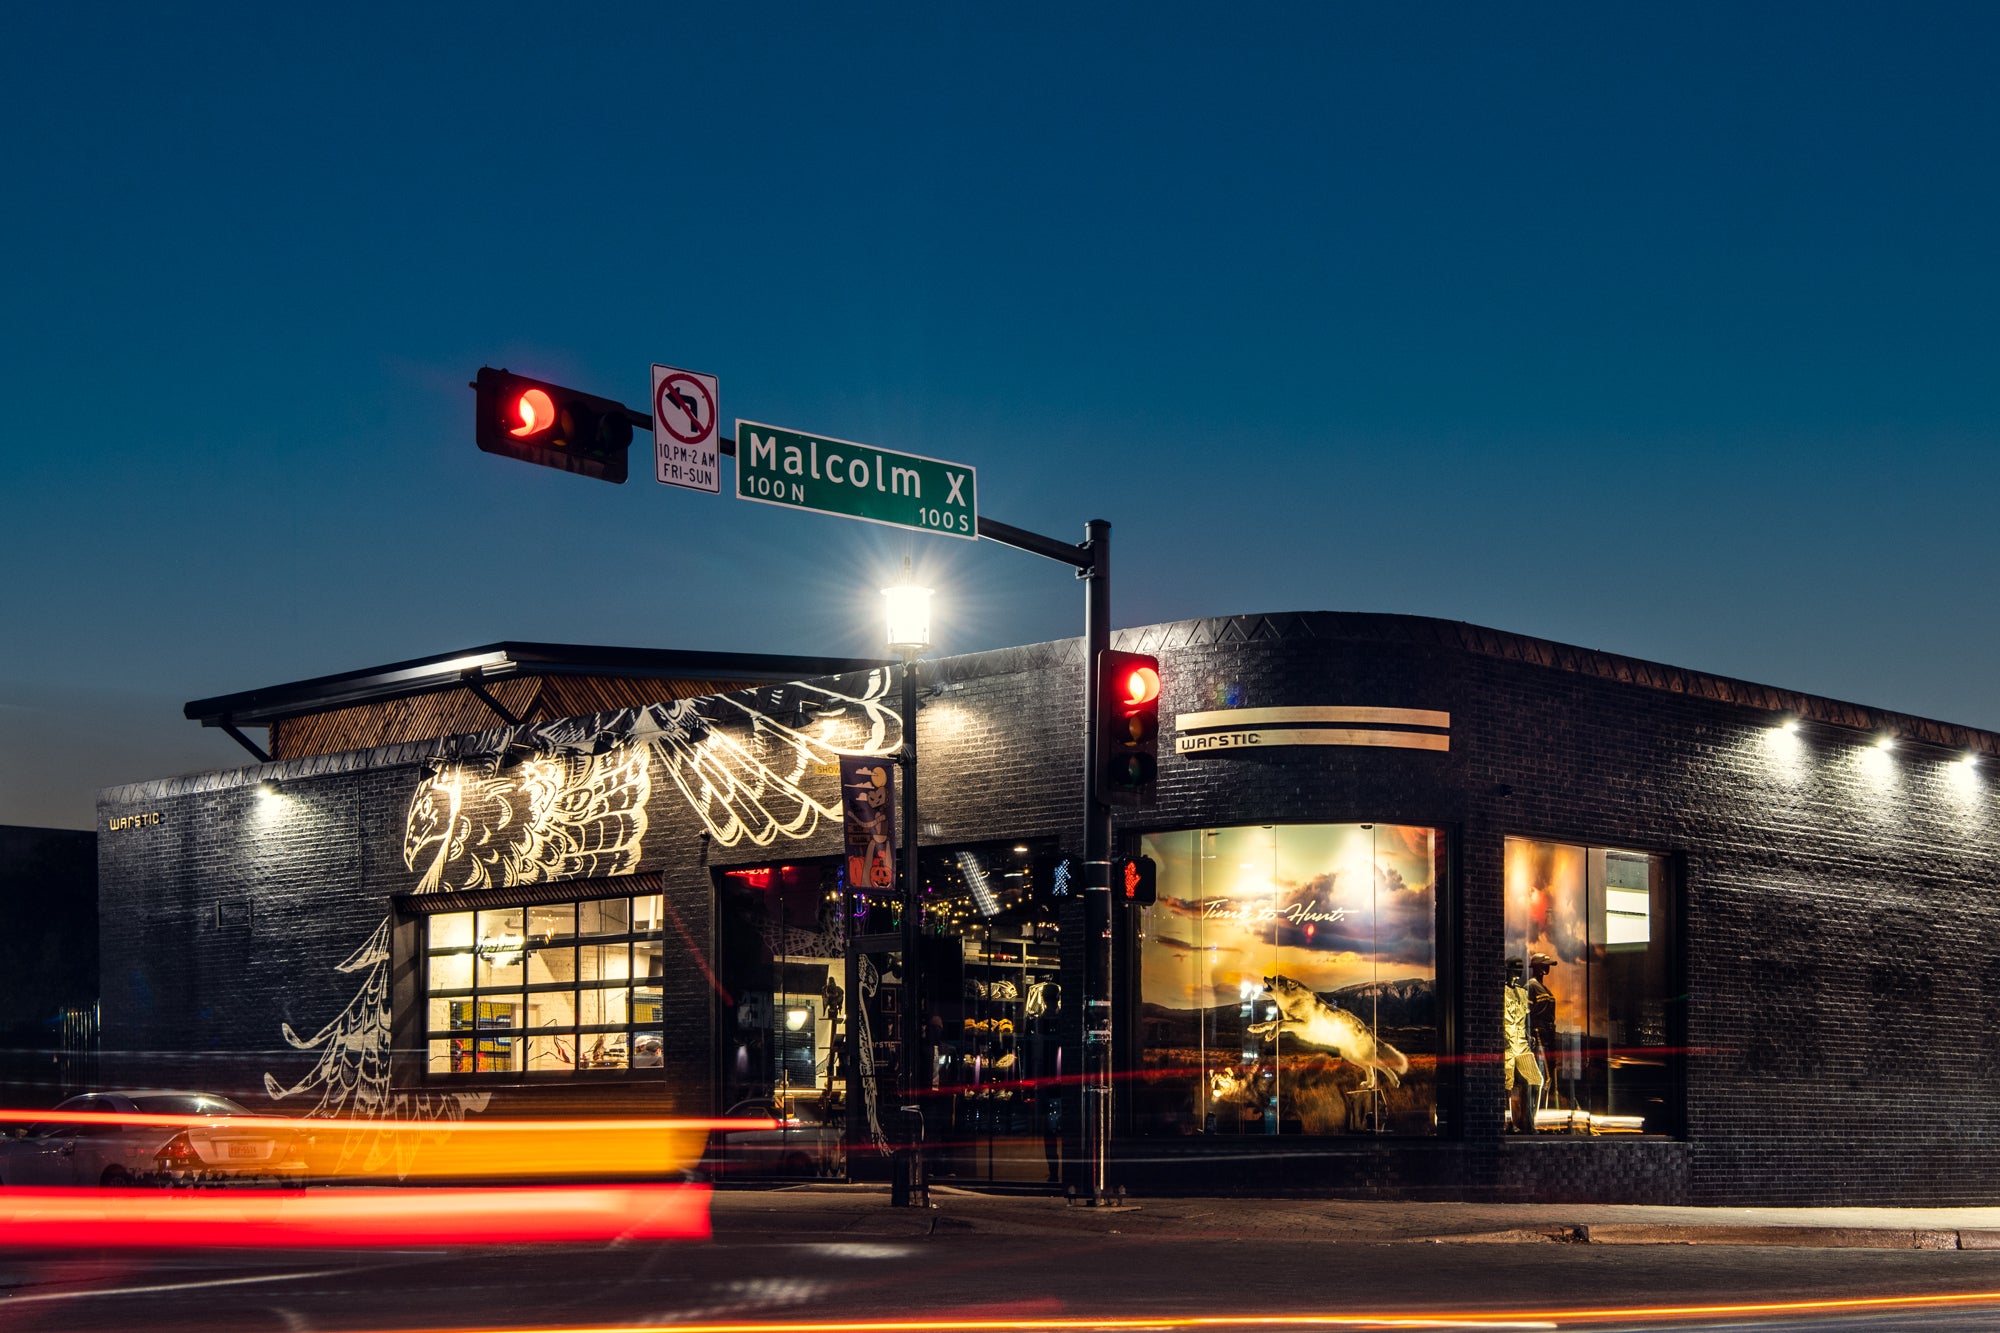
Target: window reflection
(1287, 981)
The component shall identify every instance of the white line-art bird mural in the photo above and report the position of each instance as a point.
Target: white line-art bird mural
(568, 800)
(352, 1073)
(574, 803)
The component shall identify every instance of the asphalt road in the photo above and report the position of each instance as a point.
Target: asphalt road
(802, 1259)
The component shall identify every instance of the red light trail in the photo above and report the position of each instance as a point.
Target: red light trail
(348, 1218)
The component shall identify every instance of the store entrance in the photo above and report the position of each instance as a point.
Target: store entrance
(996, 1065)
(783, 1017)
(827, 1028)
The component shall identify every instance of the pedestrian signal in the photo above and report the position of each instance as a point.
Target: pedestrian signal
(1136, 880)
(1057, 879)
(550, 425)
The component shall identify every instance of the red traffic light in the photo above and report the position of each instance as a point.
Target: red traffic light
(1141, 685)
(535, 411)
(1125, 741)
(551, 425)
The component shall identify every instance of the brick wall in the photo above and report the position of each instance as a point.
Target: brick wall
(1839, 937)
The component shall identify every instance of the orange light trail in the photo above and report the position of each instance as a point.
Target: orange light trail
(349, 1218)
(1496, 1319)
(299, 1124)
(458, 1149)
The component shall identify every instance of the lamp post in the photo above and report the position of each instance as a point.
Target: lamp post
(908, 609)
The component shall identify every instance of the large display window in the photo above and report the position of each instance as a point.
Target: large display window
(1588, 990)
(1287, 981)
(548, 990)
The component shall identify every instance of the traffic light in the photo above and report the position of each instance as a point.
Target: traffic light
(539, 422)
(1128, 727)
(1137, 881)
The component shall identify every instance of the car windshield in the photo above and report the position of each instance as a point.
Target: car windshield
(187, 1103)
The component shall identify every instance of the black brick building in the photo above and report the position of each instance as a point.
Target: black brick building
(1731, 947)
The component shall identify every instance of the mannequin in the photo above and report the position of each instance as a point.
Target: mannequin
(1520, 1061)
(1542, 1018)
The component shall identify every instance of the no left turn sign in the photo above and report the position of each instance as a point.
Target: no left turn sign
(687, 408)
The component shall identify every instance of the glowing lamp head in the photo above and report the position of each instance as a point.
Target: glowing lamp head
(909, 615)
(535, 411)
(1140, 686)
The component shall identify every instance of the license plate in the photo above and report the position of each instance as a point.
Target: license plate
(241, 1150)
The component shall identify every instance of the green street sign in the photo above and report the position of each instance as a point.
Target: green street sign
(775, 466)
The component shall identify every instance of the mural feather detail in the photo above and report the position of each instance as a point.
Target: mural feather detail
(351, 1076)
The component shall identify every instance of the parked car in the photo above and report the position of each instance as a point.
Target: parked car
(799, 1145)
(113, 1154)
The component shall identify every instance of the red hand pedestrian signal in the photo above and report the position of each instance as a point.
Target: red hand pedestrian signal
(1138, 881)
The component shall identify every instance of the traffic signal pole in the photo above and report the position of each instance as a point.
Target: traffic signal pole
(1092, 561)
(1097, 953)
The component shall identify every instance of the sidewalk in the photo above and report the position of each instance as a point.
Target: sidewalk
(854, 1211)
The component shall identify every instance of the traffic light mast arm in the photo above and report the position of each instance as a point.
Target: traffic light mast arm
(1084, 557)
(640, 421)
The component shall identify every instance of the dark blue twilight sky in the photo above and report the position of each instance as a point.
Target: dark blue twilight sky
(1669, 330)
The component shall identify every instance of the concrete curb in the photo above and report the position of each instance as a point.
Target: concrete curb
(1824, 1238)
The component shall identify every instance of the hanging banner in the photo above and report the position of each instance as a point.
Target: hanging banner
(868, 804)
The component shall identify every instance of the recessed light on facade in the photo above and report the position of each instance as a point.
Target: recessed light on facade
(1885, 742)
(1790, 726)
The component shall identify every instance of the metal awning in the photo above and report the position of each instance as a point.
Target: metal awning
(501, 661)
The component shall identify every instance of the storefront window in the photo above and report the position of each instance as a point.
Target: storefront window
(1588, 967)
(512, 992)
(1287, 982)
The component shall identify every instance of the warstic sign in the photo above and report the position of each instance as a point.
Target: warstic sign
(799, 471)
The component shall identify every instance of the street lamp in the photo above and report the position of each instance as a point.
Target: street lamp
(907, 610)
(909, 616)
(908, 613)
